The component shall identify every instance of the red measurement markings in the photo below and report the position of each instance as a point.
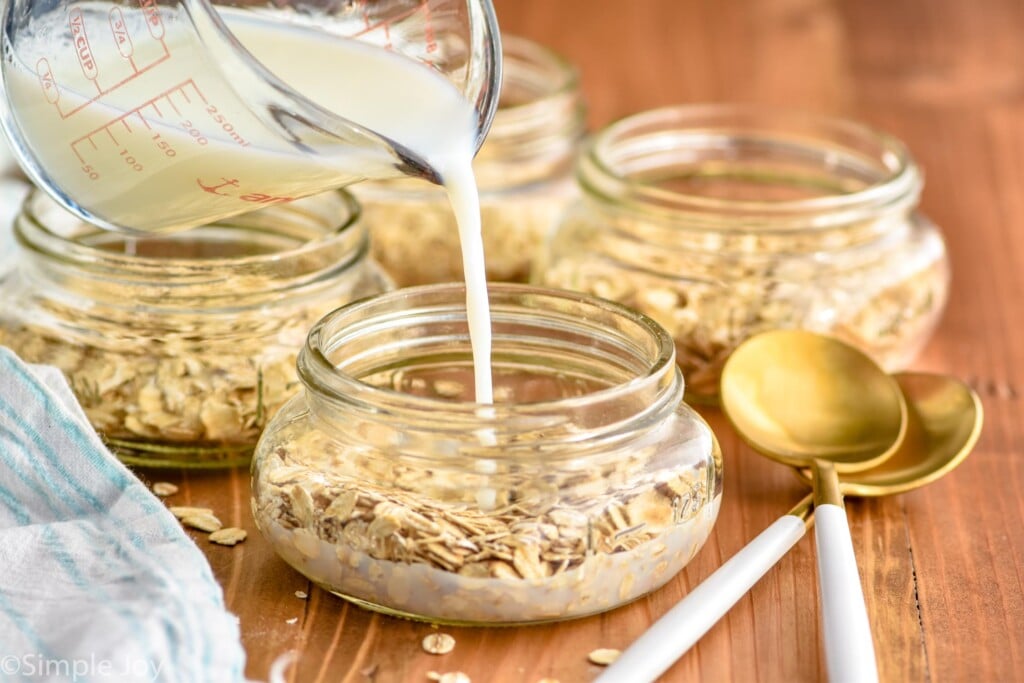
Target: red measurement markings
(153, 20)
(115, 86)
(180, 89)
(222, 120)
(50, 90)
(385, 25)
(80, 40)
(148, 104)
(125, 46)
(366, 14)
(219, 188)
(428, 29)
(122, 39)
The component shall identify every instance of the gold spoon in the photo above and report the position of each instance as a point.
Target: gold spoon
(944, 418)
(804, 399)
(944, 421)
(799, 397)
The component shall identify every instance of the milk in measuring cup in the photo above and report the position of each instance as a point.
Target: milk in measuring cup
(127, 149)
(133, 118)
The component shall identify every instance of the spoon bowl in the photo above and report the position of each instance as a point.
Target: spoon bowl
(796, 397)
(944, 418)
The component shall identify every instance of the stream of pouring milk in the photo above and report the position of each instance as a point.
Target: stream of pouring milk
(435, 121)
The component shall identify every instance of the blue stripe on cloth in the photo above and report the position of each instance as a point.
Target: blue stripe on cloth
(102, 542)
(56, 544)
(56, 548)
(114, 473)
(24, 627)
(83, 440)
(33, 484)
(92, 450)
(7, 608)
(94, 453)
(15, 507)
(172, 597)
(37, 440)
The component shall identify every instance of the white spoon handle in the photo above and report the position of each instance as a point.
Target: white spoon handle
(849, 651)
(683, 625)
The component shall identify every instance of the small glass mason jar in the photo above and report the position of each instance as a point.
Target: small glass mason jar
(181, 346)
(587, 484)
(724, 221)
(523, 170)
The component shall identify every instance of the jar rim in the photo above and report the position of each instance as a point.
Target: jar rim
(319, 374)
(604, 171)
(36, 231)
(556, 77)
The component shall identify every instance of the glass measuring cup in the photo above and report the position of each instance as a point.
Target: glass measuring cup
(153, 115)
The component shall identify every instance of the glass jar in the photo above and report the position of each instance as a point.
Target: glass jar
(724, 221)
(12, 194)
(181, 346)
(523, 170)
(587, 484)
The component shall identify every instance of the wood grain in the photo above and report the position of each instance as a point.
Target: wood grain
(943, 568)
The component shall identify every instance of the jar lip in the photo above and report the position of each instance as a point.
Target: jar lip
(318, 373)
(34, 233)
(555, 76)
(897, 186)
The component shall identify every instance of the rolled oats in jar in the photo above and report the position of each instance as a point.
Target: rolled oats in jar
(523, 170)
(587, 484)
(181, 346)
(721, 222)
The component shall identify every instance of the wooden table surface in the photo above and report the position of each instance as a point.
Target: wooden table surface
(942, 567)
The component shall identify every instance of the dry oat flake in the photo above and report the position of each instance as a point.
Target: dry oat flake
(182, 511)
(603, 656)
(164, 489)
(229, 536)
(301, 595)
(204, 522)
(438, 643)
(453, 677)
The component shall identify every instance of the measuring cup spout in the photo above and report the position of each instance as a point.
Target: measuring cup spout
(146, 116)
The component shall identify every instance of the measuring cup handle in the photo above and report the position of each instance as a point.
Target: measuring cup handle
(849, 650)
(683, 625)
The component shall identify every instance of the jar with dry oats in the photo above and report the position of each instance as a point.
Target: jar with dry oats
(724, 221)
(587, 484)
(181, 346)
(523, 170)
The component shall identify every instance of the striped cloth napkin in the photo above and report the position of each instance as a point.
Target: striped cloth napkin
(98, 582)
